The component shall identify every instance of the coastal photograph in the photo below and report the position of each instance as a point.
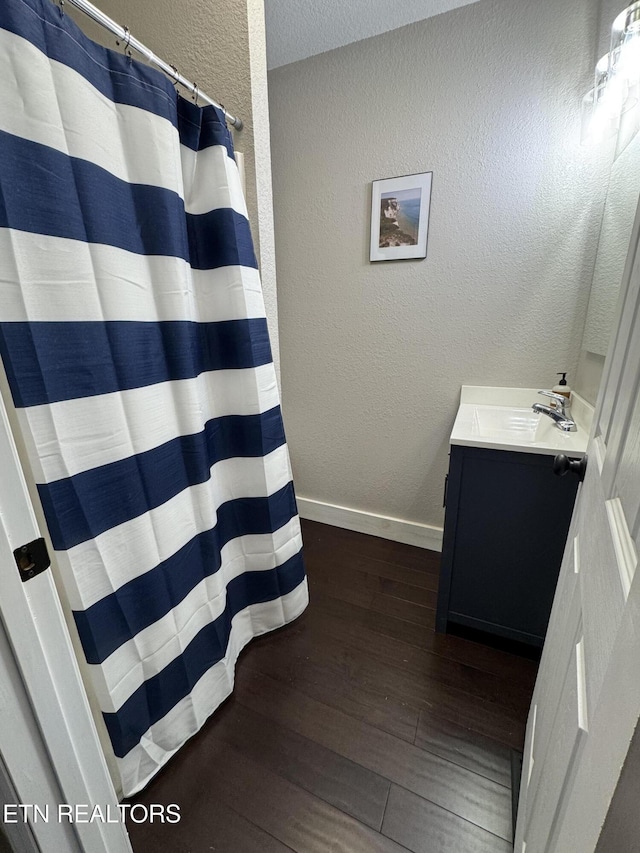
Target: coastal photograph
(400, 218)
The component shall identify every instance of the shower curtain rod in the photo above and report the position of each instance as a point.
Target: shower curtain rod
(124, 34)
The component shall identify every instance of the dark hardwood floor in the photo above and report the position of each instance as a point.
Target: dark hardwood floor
(356, 728)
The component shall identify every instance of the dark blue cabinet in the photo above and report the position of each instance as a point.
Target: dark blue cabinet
(506, 524)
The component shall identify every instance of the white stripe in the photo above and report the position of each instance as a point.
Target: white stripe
(61, 100)
(153, 648)
(94, 569)
(163, 739)
(90, 281)
(211, 174)
(66, 438)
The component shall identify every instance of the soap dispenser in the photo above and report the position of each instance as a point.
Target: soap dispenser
(562, 387)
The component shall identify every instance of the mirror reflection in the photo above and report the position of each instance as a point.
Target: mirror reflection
(615, 232)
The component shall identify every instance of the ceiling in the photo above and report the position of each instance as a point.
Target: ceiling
(297, 29)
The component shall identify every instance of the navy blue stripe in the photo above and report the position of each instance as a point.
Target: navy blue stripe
(118, 617)
(202, 127)
(44, 191)
(219, 238)
(49, 362)
(82, 507)
(117, 77)
(159, 694)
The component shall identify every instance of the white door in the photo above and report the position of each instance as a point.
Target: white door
(586, 701)
(48, 742)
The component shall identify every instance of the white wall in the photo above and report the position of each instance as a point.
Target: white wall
(373, 355)
(221, 46)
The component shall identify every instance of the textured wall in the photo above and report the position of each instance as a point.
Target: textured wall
(373, 355)
(221, 46)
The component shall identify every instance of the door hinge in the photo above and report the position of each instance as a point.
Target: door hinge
(32, 559)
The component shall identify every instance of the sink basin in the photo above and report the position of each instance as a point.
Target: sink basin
(505, 422)
(502, 419)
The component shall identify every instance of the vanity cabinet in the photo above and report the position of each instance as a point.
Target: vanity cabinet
(506, 524)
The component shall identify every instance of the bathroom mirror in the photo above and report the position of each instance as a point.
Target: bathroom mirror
(615, 233)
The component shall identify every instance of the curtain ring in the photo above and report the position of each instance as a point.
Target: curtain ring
(196, 92)
(127, 40)
(175, 74)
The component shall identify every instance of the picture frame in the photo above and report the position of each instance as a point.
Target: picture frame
(400, 217)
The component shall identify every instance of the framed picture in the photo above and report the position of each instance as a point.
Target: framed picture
(400, 217)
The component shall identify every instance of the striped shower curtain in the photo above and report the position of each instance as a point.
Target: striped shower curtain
(134, 339)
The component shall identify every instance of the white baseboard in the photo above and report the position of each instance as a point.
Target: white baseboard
(409, 532)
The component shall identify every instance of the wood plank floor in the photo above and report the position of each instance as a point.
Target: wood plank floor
(356, 728)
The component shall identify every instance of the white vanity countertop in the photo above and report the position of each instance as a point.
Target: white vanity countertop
(502, 419)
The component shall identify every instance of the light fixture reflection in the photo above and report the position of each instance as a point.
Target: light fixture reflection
(602, 105)
(624, 53)
(616, 89)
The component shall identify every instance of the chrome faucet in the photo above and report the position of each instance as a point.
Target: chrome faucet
(561, 414)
